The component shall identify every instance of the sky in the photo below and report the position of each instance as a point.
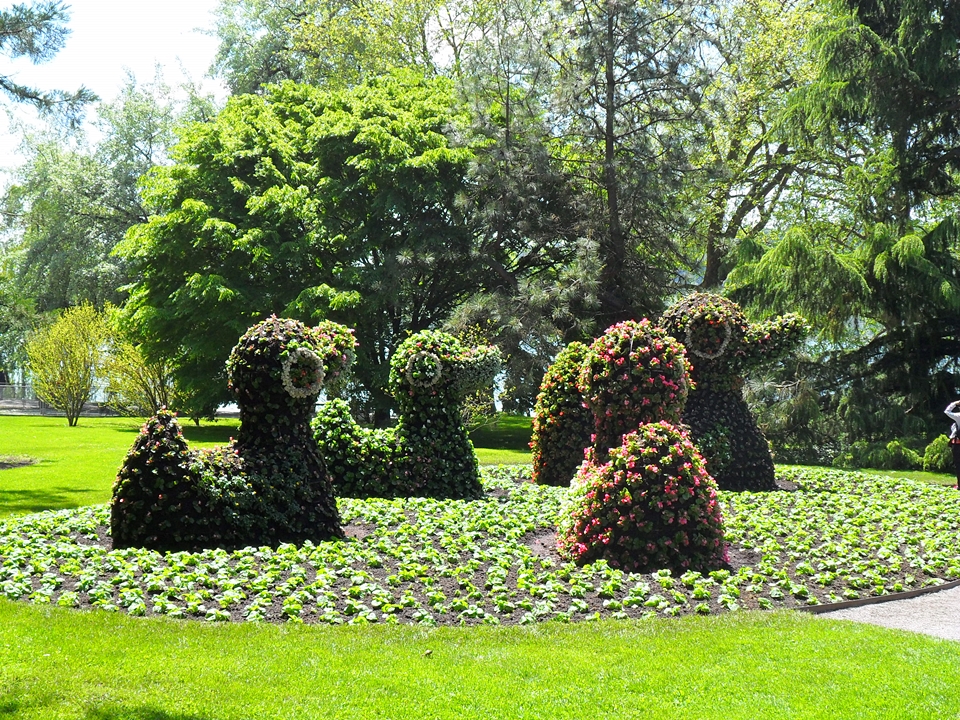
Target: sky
(110, 37)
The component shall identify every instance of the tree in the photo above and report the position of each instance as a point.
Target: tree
(70, 203)
(38, 32)
(309, 204)
(64, 359)
(628, 91)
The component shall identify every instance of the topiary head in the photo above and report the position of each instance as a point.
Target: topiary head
(282, 363)
(434, 364)
(634, 373)
(720, 342)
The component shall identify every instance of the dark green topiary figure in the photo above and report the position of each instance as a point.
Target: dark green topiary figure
(562, 424)
(428, 453)
(723, 347)
(650, 506)
(270, 485)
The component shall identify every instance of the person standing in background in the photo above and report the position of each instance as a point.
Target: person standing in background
(952, 413)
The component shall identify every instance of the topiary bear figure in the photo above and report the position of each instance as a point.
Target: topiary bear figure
(723, 347)
(591, 396)
(652, 505)
(270, 485)
(427, 453)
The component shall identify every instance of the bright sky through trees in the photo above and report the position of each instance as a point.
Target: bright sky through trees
(111, 37)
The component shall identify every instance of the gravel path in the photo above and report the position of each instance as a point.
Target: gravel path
(936, 614)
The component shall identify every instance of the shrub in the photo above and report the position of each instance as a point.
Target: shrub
(937, 457)
(652, 505)
(894, 455)
(428, 453)
(632, 374)
(722, 346)
(562, 424)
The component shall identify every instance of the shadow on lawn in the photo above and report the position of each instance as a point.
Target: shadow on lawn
(32, 501)
(120, 712)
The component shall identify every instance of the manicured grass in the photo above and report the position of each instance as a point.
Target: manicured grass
(76, 465)
(508, 432)
(936, 478)
(58, 664)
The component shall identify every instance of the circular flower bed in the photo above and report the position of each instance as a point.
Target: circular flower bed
(834, 536)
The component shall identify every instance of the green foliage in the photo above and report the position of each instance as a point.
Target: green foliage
(65, 356)
(313, 204)
(722, 346)
(562, 426)
(937, 456)
(428, 453)
(894, 455)
(634, 373)
(270, 486)
(38, 31)
(652, 506)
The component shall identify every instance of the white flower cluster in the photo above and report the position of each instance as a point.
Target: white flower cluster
(311, 358)
(437, 372)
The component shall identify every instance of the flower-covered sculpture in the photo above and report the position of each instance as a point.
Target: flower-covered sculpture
(562, 423)
(427, 453)
(722, 347)
(651, 505)
(634, 373)
(270, 485)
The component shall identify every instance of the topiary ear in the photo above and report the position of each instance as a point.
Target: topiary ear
(769, 341)
(335, 345)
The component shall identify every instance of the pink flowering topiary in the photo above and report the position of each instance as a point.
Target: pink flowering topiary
(650, 505)
(634, 373)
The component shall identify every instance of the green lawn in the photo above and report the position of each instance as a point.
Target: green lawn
(60, 664)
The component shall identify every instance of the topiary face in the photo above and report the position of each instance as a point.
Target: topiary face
(634, 373)
(652, 505)
(434, 364)
(283, 363)
(712, 329)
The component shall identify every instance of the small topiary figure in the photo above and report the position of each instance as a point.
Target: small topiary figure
(428, 453)
(270, 485)
(634, 373)
(562, 424)
(651, 505)
(723, 347)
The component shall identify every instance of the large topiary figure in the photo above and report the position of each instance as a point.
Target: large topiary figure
(428, 453)
(270, 485)
(562, 423)
(723, 347)
(591, 396)
(651, 505)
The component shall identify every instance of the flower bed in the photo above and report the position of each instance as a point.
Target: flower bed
(831, 536)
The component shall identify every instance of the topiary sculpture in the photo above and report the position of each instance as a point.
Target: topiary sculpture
(270, 485)
(723, 346)
(651, 505)
(634, 373)
(428, 453)
(562, 423)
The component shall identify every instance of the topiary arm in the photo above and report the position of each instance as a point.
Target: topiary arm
(769, 341)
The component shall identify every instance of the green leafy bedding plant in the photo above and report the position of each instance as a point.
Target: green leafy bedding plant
(831, 535)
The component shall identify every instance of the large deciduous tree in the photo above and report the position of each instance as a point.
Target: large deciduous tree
(307, 203)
